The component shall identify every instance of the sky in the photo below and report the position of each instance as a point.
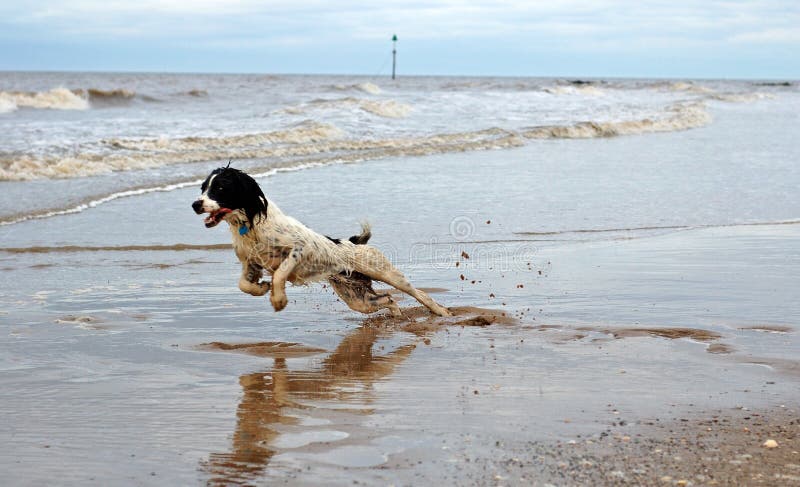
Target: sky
(592, 38)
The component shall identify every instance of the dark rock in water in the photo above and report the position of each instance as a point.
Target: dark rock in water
(580, 82)
(774, 83)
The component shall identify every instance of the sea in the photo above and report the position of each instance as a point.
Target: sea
(72, 141)
(642, 234)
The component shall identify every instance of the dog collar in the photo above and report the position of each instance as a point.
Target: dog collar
(243, 230)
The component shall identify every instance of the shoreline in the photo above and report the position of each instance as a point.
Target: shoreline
(104, 377)
(716, 447)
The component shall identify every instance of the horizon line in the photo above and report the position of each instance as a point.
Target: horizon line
(389, 77)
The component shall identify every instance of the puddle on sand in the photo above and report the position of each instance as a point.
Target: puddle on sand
(317, 414)
(351, 456)
(264, 349)
(84, 322)
(784, 366)
(276, 397)
(769, 328)
(671, 333)
(719, 348)
(303, 438)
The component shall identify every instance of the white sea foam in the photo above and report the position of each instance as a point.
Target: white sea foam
(305, 132)
(57, 98)
(7, 103)
(741, 97)
(95, 202)
(128, 154)
(388, 108)
(681, 116)
(367, 87)
(324, 141)
(574, 90)
(689, 87)
(381, 108)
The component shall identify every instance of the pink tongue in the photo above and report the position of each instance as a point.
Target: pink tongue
(214, 218)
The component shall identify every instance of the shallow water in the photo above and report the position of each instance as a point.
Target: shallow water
(104, 316)
(149, 132)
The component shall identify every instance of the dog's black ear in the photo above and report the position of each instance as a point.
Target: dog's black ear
(255, 203)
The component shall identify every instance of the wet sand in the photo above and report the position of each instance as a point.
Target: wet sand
(717, 447)
(684, 444)
(139, 362)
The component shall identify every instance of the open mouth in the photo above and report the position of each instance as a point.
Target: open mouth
(216, 216)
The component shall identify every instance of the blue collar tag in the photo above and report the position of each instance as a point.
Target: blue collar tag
(243, 230)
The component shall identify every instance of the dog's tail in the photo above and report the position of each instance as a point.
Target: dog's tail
(364, 237)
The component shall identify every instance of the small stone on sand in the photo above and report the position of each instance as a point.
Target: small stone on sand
(771, 444)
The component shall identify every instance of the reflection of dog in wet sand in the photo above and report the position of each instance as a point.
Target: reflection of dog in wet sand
(265, 239)
(272, 398)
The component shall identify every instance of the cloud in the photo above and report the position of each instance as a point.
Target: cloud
(435, 19)
(770, 36)
(577, 27)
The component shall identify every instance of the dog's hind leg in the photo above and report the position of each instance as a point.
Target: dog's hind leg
(356, 291)
(371, 262)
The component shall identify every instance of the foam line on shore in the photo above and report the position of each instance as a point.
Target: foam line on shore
(97, 201)
(656, 227)
(180, 247)
(309, 138)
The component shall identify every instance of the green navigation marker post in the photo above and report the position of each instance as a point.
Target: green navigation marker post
(394, 54)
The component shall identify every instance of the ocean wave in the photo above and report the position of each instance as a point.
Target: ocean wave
(580, 89)
(326, 142)
(56, 99)
(490, 85)
(741, 97)
(683, 86)
(118, 94)
(149, 153)
(305, 132)
(681, 116)
(381, 108)
(67, 99)
(334, 152)
(367, 87)
(7, 105)
(386, 109)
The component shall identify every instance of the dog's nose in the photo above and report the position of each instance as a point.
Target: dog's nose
(197, 206)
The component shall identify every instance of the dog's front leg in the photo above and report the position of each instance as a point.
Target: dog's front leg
(278, 296)
(248, 282)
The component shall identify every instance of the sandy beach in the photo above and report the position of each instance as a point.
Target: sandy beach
(626, 314)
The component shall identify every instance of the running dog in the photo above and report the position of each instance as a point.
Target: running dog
(267, 240)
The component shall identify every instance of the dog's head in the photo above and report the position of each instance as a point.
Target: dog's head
(226, 191)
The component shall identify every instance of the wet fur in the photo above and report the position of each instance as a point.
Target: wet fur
(279, 245)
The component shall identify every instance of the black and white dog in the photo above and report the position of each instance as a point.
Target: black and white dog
(265, 239)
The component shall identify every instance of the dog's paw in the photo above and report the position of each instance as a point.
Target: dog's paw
(278, 300)
(254, 288)
(262, 288)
